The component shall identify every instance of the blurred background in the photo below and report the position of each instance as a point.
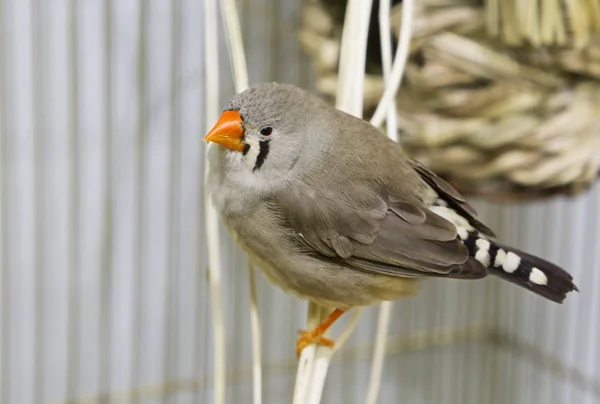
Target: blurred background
(104, 292)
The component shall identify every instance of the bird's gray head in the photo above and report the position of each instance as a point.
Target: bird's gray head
(267, 129)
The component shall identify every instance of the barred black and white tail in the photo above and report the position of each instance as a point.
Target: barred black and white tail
(532, 273)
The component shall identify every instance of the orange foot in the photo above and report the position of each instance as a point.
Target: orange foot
(315, 336)
(307, 337)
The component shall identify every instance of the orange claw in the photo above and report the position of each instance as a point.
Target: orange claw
(315, 336)
(306, 338)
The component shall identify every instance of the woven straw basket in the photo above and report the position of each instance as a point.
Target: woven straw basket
(503, 105)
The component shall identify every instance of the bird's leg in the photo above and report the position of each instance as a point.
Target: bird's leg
(316, 334)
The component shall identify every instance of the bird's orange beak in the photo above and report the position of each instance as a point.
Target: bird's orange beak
(228, 131)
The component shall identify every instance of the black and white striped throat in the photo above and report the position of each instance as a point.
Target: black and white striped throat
(255, 153)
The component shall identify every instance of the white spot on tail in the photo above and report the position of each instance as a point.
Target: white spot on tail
(500, 258)
(538, 277)
(511, 263)
(462, 233)
(482, 255)
(483, 244)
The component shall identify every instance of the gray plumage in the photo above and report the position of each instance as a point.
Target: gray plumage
(333, 211)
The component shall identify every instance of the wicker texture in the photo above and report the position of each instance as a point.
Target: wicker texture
(494, 118)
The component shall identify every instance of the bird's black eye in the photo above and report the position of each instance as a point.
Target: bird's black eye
(266, 131)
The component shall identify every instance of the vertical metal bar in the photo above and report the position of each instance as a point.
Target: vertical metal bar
(202, 323)
(592, 350)
(579, 258)
(38, 98)
(106, 249)
(214, 249)
(536, 323)
(140, 159)
(562, 211)
(173, 262)
(305, 74)
(202, 327)
(273, 34)
(433, 301)
(546, 317)
(236, 292)
(576, 247)
(514, 306)
(445, 301)
(466, 360)
(494, 305)
(73, 286)
(526, 314)
(5, 378)
(411, 325)
(554, 230)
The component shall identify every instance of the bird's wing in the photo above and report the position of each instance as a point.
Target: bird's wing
(376, 233)
(451, 196)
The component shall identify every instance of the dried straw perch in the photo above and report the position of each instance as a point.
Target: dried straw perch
(503, 99)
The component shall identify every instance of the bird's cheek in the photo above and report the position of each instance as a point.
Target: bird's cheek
(233, 158)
